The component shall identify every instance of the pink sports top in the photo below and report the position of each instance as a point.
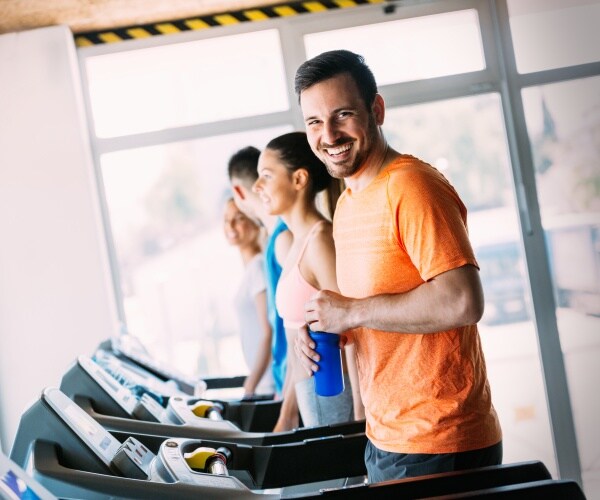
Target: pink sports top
(293, 291)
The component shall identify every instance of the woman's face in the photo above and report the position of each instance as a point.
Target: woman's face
(239, 229)
(274, 184)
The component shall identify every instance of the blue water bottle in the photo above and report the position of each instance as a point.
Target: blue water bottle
(329, 380)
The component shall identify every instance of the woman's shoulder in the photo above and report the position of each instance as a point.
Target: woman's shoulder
(256, 263)
(322, 237)
(283, 244)
(320, 257)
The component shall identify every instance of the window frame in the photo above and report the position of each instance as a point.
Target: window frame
(499, 75)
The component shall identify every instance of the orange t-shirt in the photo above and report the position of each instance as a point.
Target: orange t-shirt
(423, 393)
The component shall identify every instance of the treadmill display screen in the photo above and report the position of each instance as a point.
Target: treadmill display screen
(99, 440)
(80, 421)
(111, 382)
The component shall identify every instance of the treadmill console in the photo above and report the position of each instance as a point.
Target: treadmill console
(100, 441)
(130, 347)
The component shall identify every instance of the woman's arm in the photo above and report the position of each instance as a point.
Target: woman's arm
(359, 408)
(288, 414)
(263, 355)
(320, 262)
(283, 243)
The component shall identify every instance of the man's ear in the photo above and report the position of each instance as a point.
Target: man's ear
(378, 109)
(239, 191)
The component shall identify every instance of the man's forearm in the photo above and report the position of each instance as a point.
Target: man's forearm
(450, 300)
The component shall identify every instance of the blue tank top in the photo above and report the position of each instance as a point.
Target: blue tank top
(279, 343)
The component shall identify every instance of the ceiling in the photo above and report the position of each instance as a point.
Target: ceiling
(94, 15)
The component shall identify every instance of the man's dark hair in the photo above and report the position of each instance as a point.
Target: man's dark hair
(333, 63)
(243, 164)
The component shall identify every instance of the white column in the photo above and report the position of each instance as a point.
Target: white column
(55, 295)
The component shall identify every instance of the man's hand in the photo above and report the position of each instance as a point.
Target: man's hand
(329, 312)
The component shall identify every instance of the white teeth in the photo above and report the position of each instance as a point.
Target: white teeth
(339, 150)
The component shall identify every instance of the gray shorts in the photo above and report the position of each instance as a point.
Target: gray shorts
(385, 465)
(324, 410)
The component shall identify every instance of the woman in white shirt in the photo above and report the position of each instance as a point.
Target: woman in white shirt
(251, 301)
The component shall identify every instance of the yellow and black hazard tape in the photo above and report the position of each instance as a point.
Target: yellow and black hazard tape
(214, 20)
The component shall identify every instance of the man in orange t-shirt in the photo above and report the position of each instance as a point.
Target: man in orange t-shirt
(410, 290)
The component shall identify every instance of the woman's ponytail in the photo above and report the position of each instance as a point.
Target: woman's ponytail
(330, 196)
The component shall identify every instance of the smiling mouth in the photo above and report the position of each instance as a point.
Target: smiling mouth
(338, 150)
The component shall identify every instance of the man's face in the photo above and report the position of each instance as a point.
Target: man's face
(341, 131)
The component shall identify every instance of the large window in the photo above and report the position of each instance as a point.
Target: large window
(410, 49)
(165, 189)
(549, 35)
(563, 121)
(187, 83)
(177, 273)
(561, 110)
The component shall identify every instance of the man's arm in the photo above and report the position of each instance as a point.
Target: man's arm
(450, 300)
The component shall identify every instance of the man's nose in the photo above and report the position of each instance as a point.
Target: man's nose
(330, 132)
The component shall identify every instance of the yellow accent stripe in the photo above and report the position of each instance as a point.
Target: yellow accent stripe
(82, 41)
(255, 15)
(167, 28)
(284, 11)
(345, 3)
(226, 19)
(223, 19)
(197, 24)
(314, 6)
(138, 33)
(109, 37)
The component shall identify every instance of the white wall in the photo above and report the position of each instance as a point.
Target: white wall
(55, 295)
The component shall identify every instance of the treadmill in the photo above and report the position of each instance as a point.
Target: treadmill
(128, 347)
(73, 456)
(249, 414)
(117, 407)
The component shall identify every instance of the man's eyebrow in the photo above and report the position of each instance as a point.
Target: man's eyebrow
(334, 112)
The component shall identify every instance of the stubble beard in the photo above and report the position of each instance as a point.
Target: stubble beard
(341, 171)
(348, 169)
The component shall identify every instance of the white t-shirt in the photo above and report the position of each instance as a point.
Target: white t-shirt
(252, 283)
